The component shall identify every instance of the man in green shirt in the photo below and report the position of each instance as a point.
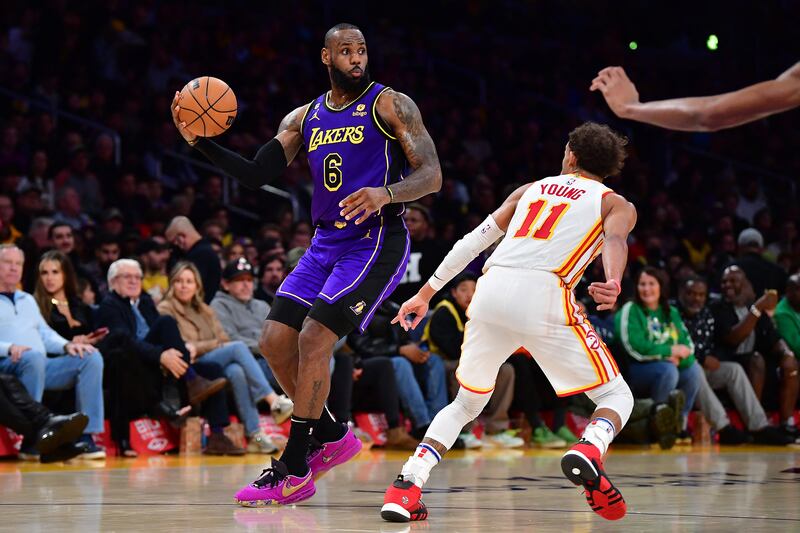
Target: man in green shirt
(787, 314)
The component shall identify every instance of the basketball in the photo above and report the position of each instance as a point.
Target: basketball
(208, 106)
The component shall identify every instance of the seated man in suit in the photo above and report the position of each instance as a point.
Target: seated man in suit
(129, 313)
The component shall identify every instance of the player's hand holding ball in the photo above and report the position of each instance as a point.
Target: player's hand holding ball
(205, 107)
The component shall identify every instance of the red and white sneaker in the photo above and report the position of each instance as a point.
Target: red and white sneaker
(402, 502)
(583, 466)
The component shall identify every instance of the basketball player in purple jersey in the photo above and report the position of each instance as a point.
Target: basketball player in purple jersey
(368, 152)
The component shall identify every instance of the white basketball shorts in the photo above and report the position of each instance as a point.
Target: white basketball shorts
(533, 309)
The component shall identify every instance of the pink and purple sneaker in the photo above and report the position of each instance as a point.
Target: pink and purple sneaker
(276, 486)
(330, 454)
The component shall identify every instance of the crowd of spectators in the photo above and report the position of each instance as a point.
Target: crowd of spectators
(103, 209)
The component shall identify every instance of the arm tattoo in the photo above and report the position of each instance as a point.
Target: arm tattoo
(289, 133)
(292, 121)
(418, 148)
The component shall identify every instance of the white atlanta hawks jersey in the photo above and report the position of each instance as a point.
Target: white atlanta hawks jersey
(556, 227)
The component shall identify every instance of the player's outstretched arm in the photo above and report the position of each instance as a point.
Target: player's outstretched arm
(619, 217)
(402, 115)
(271, 159)
(462, 254)
(704, 113)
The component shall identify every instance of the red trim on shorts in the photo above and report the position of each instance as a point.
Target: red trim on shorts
(594, 357)
(578, 391)
(472, 389)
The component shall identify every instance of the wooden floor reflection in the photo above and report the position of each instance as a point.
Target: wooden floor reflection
(752, 488)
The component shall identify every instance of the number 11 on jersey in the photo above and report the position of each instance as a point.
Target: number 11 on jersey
(545, 230)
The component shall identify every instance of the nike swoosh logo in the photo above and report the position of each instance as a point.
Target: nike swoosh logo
(331, 457)
(288, 490)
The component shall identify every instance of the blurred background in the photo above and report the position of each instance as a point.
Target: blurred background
(86, 89)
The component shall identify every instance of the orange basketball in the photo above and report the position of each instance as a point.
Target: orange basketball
(208, 106)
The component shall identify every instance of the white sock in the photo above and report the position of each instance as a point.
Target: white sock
(789, 421)
(418, 467)
(600, 432)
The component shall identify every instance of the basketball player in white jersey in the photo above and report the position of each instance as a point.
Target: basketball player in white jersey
(554, 228)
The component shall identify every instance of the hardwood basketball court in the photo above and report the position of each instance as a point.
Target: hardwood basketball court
(710, 489)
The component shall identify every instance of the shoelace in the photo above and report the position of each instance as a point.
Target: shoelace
(269, 476)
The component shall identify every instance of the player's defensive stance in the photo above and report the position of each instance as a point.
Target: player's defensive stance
(554, 228)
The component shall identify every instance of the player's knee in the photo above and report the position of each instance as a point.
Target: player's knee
(614, 395)
(277, 343)
(264, 341)
(471, 403)
(316, 341)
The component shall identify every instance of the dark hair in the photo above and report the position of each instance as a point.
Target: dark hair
(461, 278)
(227, 250)
(663, 285)
(43, 299)
(424, 211)
(107, 238)
(269, 226)
(299, 223)
(82, 284)
(339, 27)
(598, 149)
(53, 227)
(269, 259)
(267, 245)
(211, 222)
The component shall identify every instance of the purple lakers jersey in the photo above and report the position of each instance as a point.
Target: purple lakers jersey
(348, 149)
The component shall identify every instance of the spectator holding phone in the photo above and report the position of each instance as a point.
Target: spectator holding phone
(41, 358)
(57, 296)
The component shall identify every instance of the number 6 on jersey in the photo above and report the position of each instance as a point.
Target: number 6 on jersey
(333, 173)
(545, 231)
